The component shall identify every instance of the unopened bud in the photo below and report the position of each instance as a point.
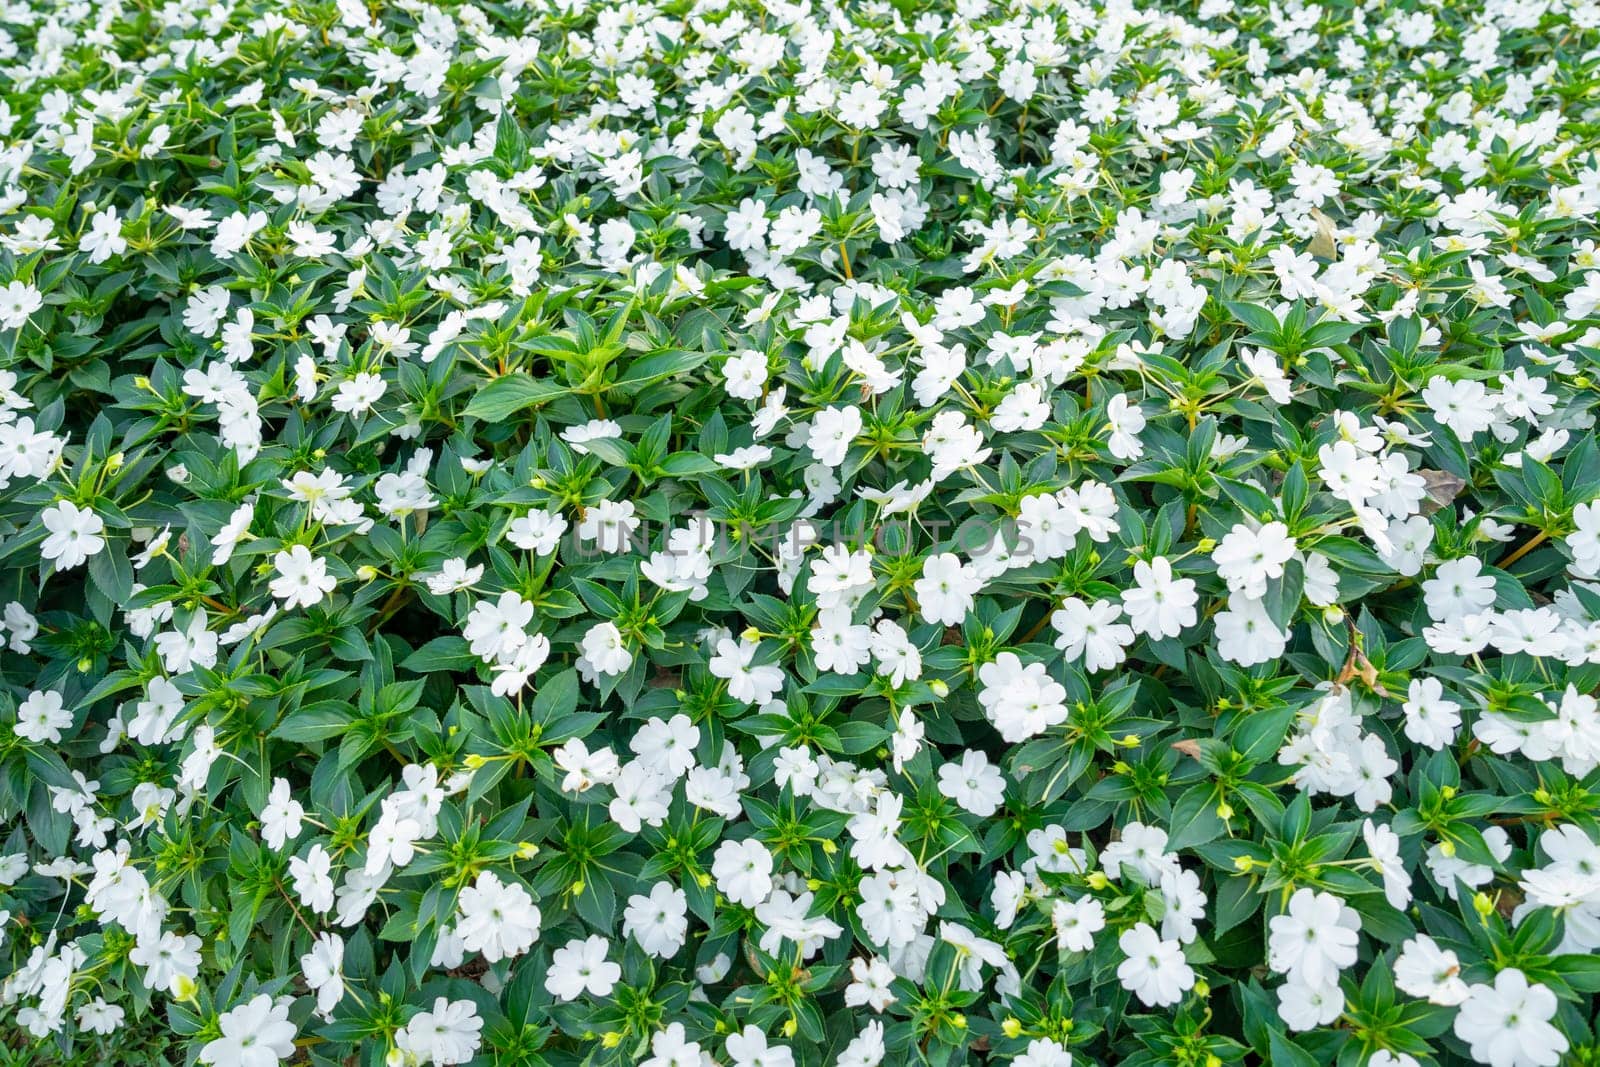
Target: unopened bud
(1012, 1027)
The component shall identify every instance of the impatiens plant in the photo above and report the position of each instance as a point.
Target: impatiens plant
(794, 534)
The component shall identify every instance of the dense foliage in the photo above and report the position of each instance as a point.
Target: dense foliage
(765, 534)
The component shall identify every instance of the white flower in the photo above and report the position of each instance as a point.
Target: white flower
(1159, 605)
(746, 373)
(747, 682)
(496, 629)
(1508, 1024)
(323, 968)
(743, 871)
(255, 1034)
(1155, 970)
(444, 1035)
(1021, 701)
(666, 746)
(832, 431)
(870, 982)
(497, 918)
(1314, 939)
(1044, 1052)
(18, 300)
(1305, 1007)
(74, 534)
(580, 966)
(975, 784)
(1423, 969)
(1431, 720)
(605, 650)
(1383, 845)
(946, 589)
(280, 819)
(1076, 922)
(1246, 559)
(658, 922)
(41, 718)
(1092, 632)
(1464, 406)
(303, 579)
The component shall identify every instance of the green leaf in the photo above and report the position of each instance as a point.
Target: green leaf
(510, 393)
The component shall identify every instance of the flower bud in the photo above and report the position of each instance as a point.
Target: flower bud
(1012, 1027)
(939, 688)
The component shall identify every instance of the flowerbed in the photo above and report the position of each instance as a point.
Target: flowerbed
(786, 534)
